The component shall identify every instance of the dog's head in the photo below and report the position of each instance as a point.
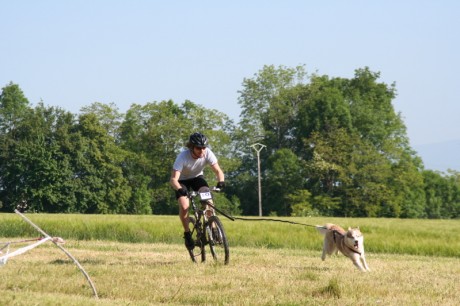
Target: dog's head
(354, 238)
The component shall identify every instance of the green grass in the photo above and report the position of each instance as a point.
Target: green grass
(393, 236)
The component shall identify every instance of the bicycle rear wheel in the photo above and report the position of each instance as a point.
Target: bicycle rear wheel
(199, 245)
(217, 240)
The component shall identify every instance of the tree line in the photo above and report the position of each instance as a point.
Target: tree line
(333, 147)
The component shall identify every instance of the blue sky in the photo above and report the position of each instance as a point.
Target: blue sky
(73, 53)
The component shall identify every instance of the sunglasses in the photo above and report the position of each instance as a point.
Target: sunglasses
(200, 148)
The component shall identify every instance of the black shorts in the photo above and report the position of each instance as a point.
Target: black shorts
(192, 184)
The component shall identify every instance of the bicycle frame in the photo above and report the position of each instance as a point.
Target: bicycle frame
(201, 215)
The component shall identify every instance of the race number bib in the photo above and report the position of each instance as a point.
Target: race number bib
(204, 196)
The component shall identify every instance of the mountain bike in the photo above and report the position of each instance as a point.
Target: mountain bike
(206, 227)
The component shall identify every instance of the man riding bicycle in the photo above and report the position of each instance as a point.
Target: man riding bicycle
(187, 174)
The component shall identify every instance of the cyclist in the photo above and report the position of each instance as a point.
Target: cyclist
(187, 173)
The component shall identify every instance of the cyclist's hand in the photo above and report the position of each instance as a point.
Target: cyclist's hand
(220, 185)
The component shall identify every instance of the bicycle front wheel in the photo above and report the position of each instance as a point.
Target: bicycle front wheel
(198, 250)
(217, 240)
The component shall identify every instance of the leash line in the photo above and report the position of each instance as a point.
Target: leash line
(274, 220)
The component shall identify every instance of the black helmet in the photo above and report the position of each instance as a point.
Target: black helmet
(198, 140)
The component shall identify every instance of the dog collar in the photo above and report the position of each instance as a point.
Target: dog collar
(351, 249)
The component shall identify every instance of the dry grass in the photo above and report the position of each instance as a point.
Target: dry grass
(152, 274)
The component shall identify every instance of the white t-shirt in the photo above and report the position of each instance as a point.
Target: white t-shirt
(189, 167)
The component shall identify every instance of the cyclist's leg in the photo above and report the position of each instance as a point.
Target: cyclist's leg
(183, 216)
(183, 212)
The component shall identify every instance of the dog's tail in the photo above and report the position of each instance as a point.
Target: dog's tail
(322, 229)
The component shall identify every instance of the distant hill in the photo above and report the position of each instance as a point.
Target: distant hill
(440, 156)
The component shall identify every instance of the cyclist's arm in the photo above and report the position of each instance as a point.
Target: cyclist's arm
(174, 181)
(218, 172)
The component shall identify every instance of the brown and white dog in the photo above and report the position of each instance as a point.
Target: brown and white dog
(350, 243)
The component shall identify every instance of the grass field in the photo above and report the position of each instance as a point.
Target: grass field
(140, 260)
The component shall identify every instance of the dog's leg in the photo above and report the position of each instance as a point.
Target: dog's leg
(363, 260)
(357, 263)
(323, 256)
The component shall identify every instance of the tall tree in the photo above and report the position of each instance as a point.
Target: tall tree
(260, 100)
(13, 107)
(442, 194)
(284, 178)
(153, 132)
(101, 186)
(108, 115)
(371, 108)
(347, 132)
(266, 117)
(36, 169)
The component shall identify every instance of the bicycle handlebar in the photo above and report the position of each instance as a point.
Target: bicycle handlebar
(195, 193)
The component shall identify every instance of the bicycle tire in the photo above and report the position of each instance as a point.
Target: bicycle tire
(217, 240)
(199, 249)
